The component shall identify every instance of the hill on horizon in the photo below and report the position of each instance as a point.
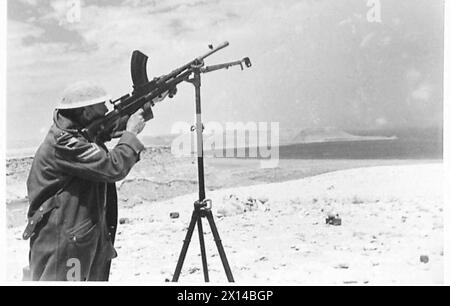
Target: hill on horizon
(286, 136)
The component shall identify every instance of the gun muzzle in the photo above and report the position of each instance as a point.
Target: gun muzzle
(214, 50)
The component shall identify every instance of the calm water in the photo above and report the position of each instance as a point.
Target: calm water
(378, 149)
(409, 144)
(416, 143)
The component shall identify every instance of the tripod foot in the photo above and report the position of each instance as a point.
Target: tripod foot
(219, 245)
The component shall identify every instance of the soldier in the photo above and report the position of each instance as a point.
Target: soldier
(73, 200)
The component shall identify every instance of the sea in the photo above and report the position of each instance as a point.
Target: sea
(397, 144)
(412, 143)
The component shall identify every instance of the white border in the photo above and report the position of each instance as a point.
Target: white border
(446, 147)
(3, 62)
(3, 34)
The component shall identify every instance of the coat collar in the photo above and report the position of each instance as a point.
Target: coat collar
(65, 124)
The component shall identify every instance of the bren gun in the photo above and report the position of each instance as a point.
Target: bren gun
(145, 92)
(143, 96)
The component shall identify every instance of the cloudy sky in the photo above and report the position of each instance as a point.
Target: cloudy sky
(320, 63)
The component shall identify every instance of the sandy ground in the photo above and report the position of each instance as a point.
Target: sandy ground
(161, 176)
(391, 217)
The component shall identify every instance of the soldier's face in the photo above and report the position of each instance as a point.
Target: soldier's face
(95, 111)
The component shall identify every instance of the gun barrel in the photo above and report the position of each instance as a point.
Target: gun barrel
(177, 71)
(220, 47)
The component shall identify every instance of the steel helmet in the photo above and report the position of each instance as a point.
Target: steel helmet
(82, 94)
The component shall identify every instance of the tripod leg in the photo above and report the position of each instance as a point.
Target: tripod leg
(202, 249)
(187, 240)
(222, 254)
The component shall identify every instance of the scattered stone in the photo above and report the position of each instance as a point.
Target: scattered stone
(263, 200)
(174, 215)
(357, 200)
(124, 221)
(424, 258)
(263, 259)
(234, 205)
(193, 270)
(333, 220)
(368, 249)
(342, 266)
(136, 200)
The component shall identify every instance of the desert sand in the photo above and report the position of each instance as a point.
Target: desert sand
(272, 227)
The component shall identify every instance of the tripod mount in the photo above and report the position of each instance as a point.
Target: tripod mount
(203, 206)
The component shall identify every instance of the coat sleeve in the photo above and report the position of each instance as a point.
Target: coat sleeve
(78, 157)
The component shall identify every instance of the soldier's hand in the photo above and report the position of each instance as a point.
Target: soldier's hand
(120, 127)
(136, 123)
